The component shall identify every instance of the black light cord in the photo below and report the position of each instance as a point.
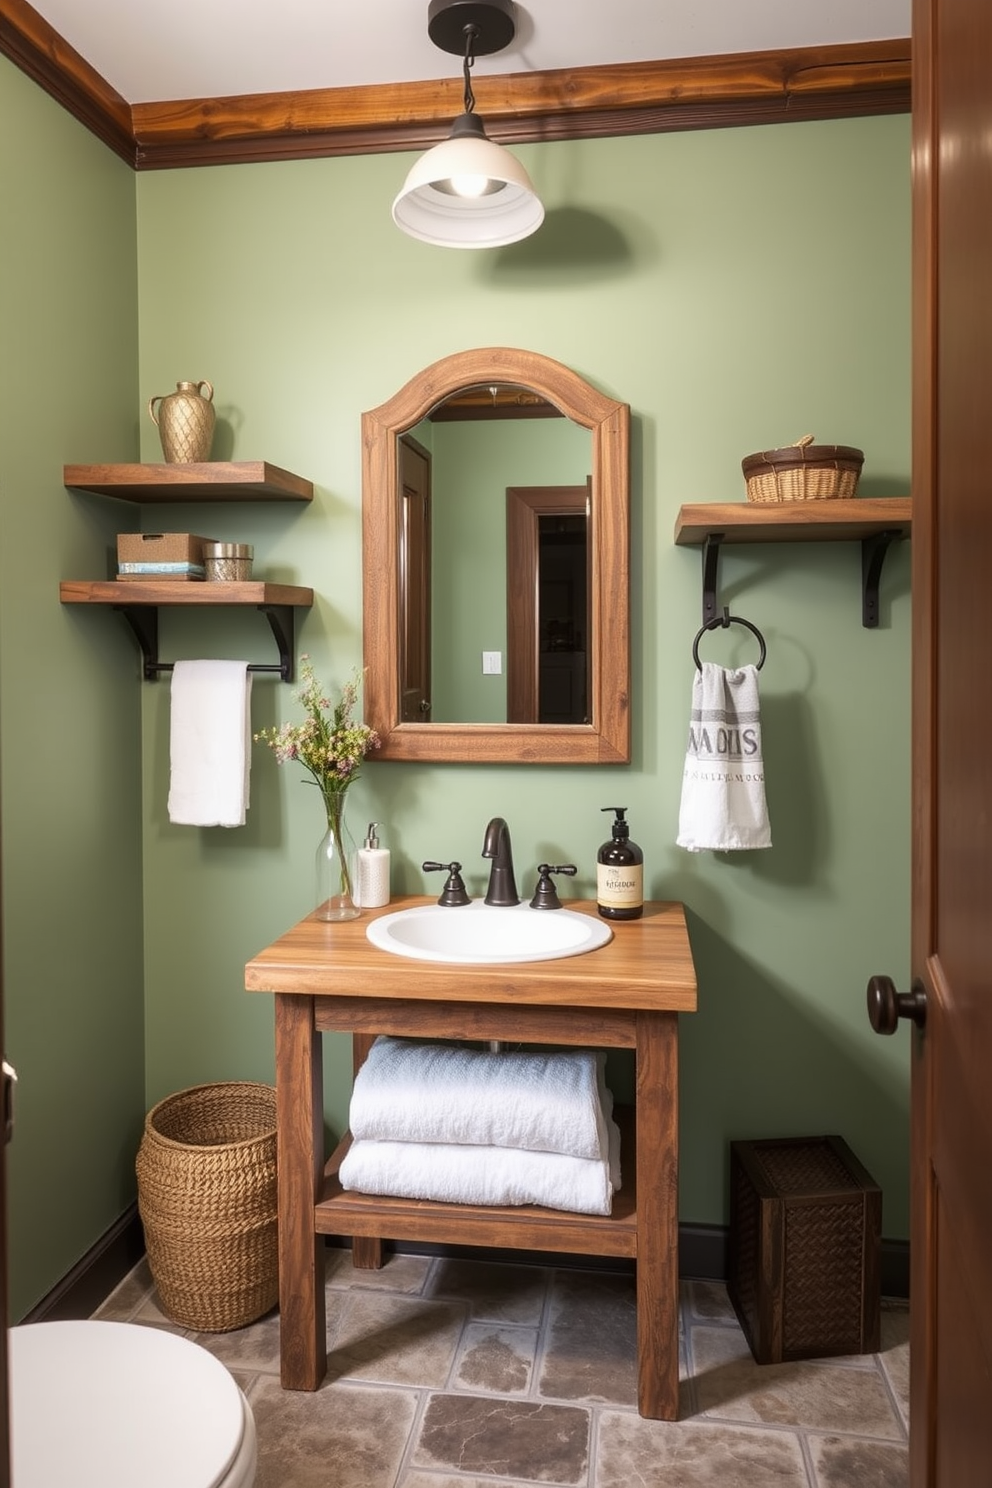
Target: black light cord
(471, 32)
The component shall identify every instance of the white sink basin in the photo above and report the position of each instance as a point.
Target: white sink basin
(481, 934)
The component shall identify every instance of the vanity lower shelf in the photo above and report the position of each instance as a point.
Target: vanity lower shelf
(517, 1227)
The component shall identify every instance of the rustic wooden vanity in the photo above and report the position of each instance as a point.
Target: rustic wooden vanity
(328, 978)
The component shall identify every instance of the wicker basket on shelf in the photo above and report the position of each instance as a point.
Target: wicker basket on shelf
(206, 1173)
(803, 471)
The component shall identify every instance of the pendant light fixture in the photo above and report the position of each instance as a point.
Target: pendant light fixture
(468, 192)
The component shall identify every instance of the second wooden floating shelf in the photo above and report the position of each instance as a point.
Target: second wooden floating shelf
(213, 480)
(139, 602)
(875, 522)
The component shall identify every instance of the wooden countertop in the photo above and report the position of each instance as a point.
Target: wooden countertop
(647, 965)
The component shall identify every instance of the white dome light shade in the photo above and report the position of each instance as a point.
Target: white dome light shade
(468, 192)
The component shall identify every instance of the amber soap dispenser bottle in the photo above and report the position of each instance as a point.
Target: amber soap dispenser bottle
(620, 873)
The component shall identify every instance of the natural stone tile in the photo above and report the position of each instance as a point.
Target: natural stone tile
(708, 1300)
(688, 1454)
(810, 1395)
(591, 1348)
(393, 1339)
(254, 1348)
(509, 1438)
(493, 1293)
(127, 1296)
(445, 1480)
(398, 1273)
(351, 1437)
(894, 1355)
(847, 1462)
(498, 1360)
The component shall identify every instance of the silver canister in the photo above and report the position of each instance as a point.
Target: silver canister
(227, 562)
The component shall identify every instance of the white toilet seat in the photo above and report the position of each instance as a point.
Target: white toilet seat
(111, 1405)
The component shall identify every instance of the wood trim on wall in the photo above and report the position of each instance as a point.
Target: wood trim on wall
(828, 82)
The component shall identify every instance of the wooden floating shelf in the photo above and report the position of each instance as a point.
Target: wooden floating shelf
(875, 522)
(214, 480)
(795, 521)
(125, 592)
(140, 600)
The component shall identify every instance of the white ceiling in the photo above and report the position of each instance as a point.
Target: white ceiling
(150, 50)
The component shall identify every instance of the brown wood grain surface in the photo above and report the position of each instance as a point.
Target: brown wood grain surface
(648, 964)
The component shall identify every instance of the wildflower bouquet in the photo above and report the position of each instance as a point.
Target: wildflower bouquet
(330, 746)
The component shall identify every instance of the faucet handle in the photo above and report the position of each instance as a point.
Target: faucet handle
(454, 892)
(546, 895)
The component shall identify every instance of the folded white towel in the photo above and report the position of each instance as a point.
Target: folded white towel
(723, 784)
(210, 743)
(484, 1175)
(546, 1102)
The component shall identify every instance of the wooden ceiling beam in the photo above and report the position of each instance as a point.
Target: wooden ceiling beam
(630, 98)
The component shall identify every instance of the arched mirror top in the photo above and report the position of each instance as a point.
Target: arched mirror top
(604, 738)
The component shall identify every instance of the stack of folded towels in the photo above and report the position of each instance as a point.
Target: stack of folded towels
(466, 1126)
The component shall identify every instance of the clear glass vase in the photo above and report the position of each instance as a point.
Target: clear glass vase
(335, 865)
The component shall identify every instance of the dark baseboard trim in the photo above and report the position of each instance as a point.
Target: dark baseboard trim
(702, 1257)
(95, 1275)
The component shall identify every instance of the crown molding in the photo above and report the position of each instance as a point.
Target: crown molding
(40, 52)
(630, 98)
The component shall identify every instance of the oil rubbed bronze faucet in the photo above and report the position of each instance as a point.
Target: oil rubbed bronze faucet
(502, 884)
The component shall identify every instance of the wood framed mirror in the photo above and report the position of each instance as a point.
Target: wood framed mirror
(399, 555)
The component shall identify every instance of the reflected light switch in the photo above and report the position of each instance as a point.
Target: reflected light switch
(492, 663)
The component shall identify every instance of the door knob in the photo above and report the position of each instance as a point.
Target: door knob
(886, 1006)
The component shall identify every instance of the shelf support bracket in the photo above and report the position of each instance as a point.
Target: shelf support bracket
(143, 620)
(282, 619)
(711, 566)
(873, 551)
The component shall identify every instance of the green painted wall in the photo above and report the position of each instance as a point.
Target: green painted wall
(676, 274)
(726, 325)
(70, 741)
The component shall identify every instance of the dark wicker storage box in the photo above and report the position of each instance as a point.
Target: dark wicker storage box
(805, 1239)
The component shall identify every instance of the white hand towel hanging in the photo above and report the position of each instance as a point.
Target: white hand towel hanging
(210, 743)
(723, 784)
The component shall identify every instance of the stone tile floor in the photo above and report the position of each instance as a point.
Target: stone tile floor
(471, 1374)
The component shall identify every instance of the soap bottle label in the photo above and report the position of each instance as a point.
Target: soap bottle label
(620, 885)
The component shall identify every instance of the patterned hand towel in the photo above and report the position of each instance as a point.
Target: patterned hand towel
(723, 784)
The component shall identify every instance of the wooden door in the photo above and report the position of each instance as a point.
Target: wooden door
(951, 1299)
(415, 582)
(526, 697)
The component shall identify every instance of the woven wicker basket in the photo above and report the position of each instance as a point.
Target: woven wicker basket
(206, 1172)
(803, 471)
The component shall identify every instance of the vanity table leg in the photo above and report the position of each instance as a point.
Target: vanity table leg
(300, 1150)
(657, 1105)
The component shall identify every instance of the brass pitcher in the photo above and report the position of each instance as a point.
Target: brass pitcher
(185, 422)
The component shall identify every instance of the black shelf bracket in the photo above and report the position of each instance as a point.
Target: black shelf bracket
(711, 568)
(873, 551)
(143, 620)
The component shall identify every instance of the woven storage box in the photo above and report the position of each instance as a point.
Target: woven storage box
(207, 1198)
(805, 1238)
(160, 555)
(803, 471)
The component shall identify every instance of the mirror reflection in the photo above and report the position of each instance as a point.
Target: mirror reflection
(494, 489)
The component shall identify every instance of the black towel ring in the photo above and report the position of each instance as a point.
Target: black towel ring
(723, 621)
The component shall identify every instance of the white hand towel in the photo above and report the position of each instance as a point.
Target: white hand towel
(723, 784)
(457, 1174)
(413, 1092)
(210, 743)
